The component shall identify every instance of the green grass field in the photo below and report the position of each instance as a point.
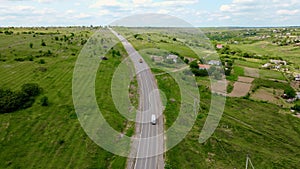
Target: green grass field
(50, 137)
(290, 53)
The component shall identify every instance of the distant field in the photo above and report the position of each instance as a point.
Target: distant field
(291, 53)
(271, 74)
(248, 64)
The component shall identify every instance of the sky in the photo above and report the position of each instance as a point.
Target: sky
(199, 13)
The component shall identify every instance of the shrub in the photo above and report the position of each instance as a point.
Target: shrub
(30, 45)
(8, 32)
(296, 107)
(11, 101)
(290, 92)
(30, 58)
(44, 101)
(194, 65)
(42, 61)
(32, 89)
(43, 43)
(198, 72)
(19, 59)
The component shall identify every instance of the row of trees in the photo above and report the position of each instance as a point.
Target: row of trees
(15, 100)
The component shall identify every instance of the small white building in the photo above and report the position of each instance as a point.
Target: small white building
(214, 62)
(172, 57)
(279, 62)
(266, 65)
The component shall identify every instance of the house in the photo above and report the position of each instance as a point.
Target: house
(266, 65)
(203, 67)
(156, 58)
(214, 62)
(278, 62)
(277, 67)
(219, 46)
(172, 57)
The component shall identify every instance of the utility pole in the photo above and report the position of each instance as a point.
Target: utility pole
(248, 160)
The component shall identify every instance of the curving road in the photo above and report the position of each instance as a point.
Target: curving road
(148, 148)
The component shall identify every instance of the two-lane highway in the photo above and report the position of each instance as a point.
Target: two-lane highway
(149, 147)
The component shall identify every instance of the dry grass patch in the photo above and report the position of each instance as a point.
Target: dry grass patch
(245, 79)
(269, 95)
(240, 89)
(251, 72)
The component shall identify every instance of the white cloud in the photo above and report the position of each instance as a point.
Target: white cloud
(244, 1)
(44, 1)
(82, 16)
(288, 12)
(141, 3)
(108, 3)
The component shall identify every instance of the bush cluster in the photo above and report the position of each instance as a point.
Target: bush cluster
(15, 100)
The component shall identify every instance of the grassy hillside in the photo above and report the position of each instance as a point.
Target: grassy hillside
(264, 131)
(247, 127)
(49, 137)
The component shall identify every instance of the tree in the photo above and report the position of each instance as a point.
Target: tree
(186, 61)
(296, 107)
(290, 92)
(32, 89)
(199, 72)
(228, 71)
(118, 53)
(42, 61)
(194, 65)
(30, 45)
(44, 101)
(43, 43)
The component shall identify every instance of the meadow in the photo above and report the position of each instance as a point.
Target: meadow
(51, 136)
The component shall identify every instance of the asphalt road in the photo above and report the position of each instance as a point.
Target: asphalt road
(149, 147)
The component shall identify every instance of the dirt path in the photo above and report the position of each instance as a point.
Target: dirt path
(241, 87)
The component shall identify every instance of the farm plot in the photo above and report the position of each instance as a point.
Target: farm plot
(241, 87)
(251, 72)
(268, 95)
